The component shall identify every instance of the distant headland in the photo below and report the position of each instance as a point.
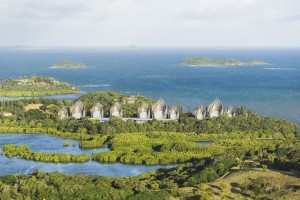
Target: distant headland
(205, 61)
(34, 86)
(68, 64)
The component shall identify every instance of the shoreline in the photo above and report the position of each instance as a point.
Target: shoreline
(55, 67)
(28, 94)
(208, 65)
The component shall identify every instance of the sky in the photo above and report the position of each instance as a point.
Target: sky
(153, 23)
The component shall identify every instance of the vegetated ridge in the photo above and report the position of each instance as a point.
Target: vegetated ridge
(68, 64)
(34, 86)
(206, 61)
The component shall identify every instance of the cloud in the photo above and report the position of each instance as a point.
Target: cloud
(144, 22)
(27, 9)
(292, 18)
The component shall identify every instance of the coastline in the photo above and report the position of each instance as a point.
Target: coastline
(56, 67)
(16, 94)
(209, 65)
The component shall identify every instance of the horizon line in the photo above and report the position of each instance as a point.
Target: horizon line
(136, 47)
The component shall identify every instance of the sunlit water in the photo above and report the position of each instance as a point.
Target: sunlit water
(271, 90)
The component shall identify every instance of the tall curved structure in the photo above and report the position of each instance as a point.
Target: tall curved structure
(63, 113)
(144, 112)
(78, 110)
(116, 110)
(200, 113)
(230, 112)
(97, 111)
(215, 109)
(174, 113)
(159, 110)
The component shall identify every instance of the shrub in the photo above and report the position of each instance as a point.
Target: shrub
(65, 144)
(8, 179)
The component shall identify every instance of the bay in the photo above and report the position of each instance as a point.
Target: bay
(270, 90)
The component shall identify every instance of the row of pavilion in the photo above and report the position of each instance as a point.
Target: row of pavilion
(158, 111)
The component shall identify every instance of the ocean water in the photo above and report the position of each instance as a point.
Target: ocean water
(270, 90)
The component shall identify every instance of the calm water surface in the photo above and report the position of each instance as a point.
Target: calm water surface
(45, 143)
(270, 90)
(205, 143)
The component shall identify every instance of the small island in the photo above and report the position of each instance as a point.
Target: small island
(205, 61)
(34, 86)
(68, 64)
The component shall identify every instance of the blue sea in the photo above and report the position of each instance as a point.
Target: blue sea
(270, 90)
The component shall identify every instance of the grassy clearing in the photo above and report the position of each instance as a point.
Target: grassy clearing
(253, 184)
(33, 106)
(278, 184)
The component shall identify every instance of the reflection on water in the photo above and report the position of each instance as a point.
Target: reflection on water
(204, 143)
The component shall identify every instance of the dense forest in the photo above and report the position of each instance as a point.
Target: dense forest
(243, 144)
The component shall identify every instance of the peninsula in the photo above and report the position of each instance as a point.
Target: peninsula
(248, 156)
(206, 61)
(68, 64)
(34, 86)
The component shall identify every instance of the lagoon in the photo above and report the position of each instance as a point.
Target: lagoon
(45, 143)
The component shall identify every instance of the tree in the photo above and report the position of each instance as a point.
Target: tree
(43, 107)
(35, 114)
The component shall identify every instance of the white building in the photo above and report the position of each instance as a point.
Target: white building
(78, 111)
(97, 111)
(200, 113)
(159, 110)
(215, 109)
(116, 110)
(174, 113)
(144, 112)
(63, 113)
(230, 112)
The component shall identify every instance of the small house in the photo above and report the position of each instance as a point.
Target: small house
(174, 113)
(215, 109)
(116, 110)
(63, 113)
(159, 110)
(97, 111)
(230, 112)
(144, 112)
(200, 113)
(78, 110)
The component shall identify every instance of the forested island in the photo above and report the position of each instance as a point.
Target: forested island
(206, 61)
(26, 86)
(250, 156)
(68, 64)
